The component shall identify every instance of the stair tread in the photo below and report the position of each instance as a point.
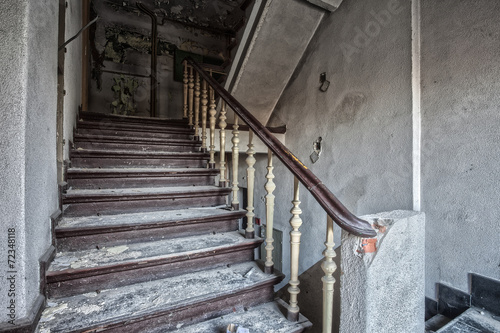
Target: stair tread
(137, 152)
(142, 170)
(142, 191)
(142, 219)
(71, 261)
(262, 318)
(87, 115)
(128, 138)
(137, 300)
(473, 320)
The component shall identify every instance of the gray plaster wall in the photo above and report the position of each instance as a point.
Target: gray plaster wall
(28, 174)
(461, 173)
(364, 119)
(72, 71)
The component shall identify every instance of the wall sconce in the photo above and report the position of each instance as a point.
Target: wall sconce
(324, 82)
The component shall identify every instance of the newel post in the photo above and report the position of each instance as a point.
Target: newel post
(295, 222)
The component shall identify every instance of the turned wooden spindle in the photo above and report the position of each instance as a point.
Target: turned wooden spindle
(204, 109)
(329, 268)
(212, 112)
(191, 95)
(222, 137)
(185, 80)
(197, 107)
(235, 203)
(295, 222)
(250, 231)
(270, 187)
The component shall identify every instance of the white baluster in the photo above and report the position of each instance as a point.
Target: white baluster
(197, 107)
(213, 111)
(204, 108)
(235, 204)
(185, 80)
(295, 222)
(222, 136)
(329, 268)
(250, 231)
(191, 94)
(270, 187)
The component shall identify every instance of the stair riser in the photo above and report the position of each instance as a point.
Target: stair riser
(107, 125)
(110, 162)
(198, 313)
(93, 117)
(137, 274)
(116, 237)
(137, 146)
(121, 133)
(128, 182)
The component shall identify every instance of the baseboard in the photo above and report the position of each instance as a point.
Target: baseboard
(431, 308)
(485, 293)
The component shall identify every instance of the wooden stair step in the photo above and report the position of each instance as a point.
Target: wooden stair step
(170, 134)
(87, 232)
(97, 116)
(99, 178)
(129, 158)
(128, 200)
(143, 146)
(165, 302)
(263, 318)
(74, 272)
(136, 127)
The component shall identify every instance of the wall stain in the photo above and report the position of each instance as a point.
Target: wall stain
(348, 108)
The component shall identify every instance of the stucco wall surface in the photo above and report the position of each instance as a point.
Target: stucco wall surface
(461, 173)
(364, 119)
(40, 136)
(28, 163)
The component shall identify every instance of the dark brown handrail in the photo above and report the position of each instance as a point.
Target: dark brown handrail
(333, 207)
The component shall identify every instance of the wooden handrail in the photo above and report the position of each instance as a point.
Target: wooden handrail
(333, 207)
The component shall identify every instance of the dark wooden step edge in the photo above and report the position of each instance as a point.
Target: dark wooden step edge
(133, 140)
(62, 232)
(255, 294)
(75, 274)
(133, 128)
(69, 199)
(98, 173)
(87, 115)
(122, 154)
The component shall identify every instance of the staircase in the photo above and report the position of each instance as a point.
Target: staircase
(146, 242)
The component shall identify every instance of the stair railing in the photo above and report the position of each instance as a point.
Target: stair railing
(336, 211)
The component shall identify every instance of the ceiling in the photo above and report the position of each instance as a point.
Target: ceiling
(215, 15)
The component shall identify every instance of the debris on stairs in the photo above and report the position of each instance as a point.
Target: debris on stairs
(146, 242)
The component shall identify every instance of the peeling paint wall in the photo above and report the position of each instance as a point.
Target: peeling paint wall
(122, 44)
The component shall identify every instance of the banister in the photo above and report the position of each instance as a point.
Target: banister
(333, 207)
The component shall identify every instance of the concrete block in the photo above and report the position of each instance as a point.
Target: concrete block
(383, 291)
